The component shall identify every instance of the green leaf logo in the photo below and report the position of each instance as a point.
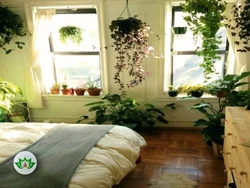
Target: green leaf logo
(25, 163)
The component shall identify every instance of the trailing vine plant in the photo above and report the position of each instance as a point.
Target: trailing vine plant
(11, 26)
(205, 19)
(240, 25)
(71, 33)
(131, 44)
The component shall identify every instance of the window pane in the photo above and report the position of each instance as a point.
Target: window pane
(186, 41)
(76, 70)
(89, 25)
(186, 70)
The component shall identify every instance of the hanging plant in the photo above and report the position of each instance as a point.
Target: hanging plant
(240, 25)
(70, 33)
(11, 26)
(205, 19)
(130, 37)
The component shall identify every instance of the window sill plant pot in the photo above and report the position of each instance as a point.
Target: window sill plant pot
(94, 91)
(197, 94)
(179, 30)
(65, 91)
(172, 93)
(55, 89)
(71, 91)
(80, 91)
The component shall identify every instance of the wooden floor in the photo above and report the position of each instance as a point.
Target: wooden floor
(182, 151)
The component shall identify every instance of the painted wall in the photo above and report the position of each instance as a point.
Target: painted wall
(13, 67)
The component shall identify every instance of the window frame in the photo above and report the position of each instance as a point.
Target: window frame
(176, 8)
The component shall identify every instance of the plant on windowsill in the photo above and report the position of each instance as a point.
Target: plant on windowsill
(125, 112)
(205, 19)
(55, 89)
(80, 91)
(93, 89)
(8, 92)
(11, 27)
(65, 90)
(240, 25)
(172, 92)
(70, 33)
(194, 91)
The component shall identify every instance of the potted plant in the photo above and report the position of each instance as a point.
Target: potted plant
(93, 88)
(195, 90)
(80, 91)
(70, 33)
(125, 112)
(11, 27)
(65, 90)
(130, 37)
(240, 25)
(55, 89)
(227, 84)
(172, 92)
(205, 19)
(8, 92)
(179, 30)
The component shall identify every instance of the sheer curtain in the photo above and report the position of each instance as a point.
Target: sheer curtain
(237, 61)
(40, 54)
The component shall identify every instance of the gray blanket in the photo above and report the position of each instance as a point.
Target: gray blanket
(58, 155)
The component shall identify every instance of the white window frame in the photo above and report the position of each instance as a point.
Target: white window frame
(57, 4)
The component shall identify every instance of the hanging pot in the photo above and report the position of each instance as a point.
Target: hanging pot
(179, 30)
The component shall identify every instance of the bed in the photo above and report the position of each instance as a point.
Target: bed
(105, 165)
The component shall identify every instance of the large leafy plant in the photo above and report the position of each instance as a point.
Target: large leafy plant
(205, 19)
(124, 112)
(8, 92)
(11, 26)
(240, 25)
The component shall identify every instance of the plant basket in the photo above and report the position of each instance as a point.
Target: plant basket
(80, 91)
(94, 92)
(172, 93)
(54, 91)
(179, 30)
(197, 94)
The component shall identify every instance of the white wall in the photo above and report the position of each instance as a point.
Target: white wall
(13, 67)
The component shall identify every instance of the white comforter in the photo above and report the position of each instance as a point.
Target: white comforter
(106, 164)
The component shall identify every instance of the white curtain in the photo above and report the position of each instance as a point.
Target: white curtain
(238, 62)
(40, 54)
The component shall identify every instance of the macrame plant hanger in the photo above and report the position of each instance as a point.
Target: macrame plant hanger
(126, 8)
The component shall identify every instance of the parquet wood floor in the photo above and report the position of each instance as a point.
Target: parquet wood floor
(175, 150)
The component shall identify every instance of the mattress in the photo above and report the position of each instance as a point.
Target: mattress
(105, 165)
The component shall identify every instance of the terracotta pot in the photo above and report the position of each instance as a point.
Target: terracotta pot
(80, 91)
(94, 92)
(54, 91)
(71, 91)
(65, 91)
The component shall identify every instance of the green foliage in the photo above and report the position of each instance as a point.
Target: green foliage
(124, 112)
(241, 30)
(228, 83)
(11, 26)
(71, 33)
(64, 86)
(56, 86)
(93, 84)
(205, 19)
(131, 44)
(8, 91)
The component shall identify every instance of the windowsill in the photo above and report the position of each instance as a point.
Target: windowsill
(60, 97)
(206, 97)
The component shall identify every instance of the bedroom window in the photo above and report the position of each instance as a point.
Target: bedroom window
(183, 65)
(74, 64)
